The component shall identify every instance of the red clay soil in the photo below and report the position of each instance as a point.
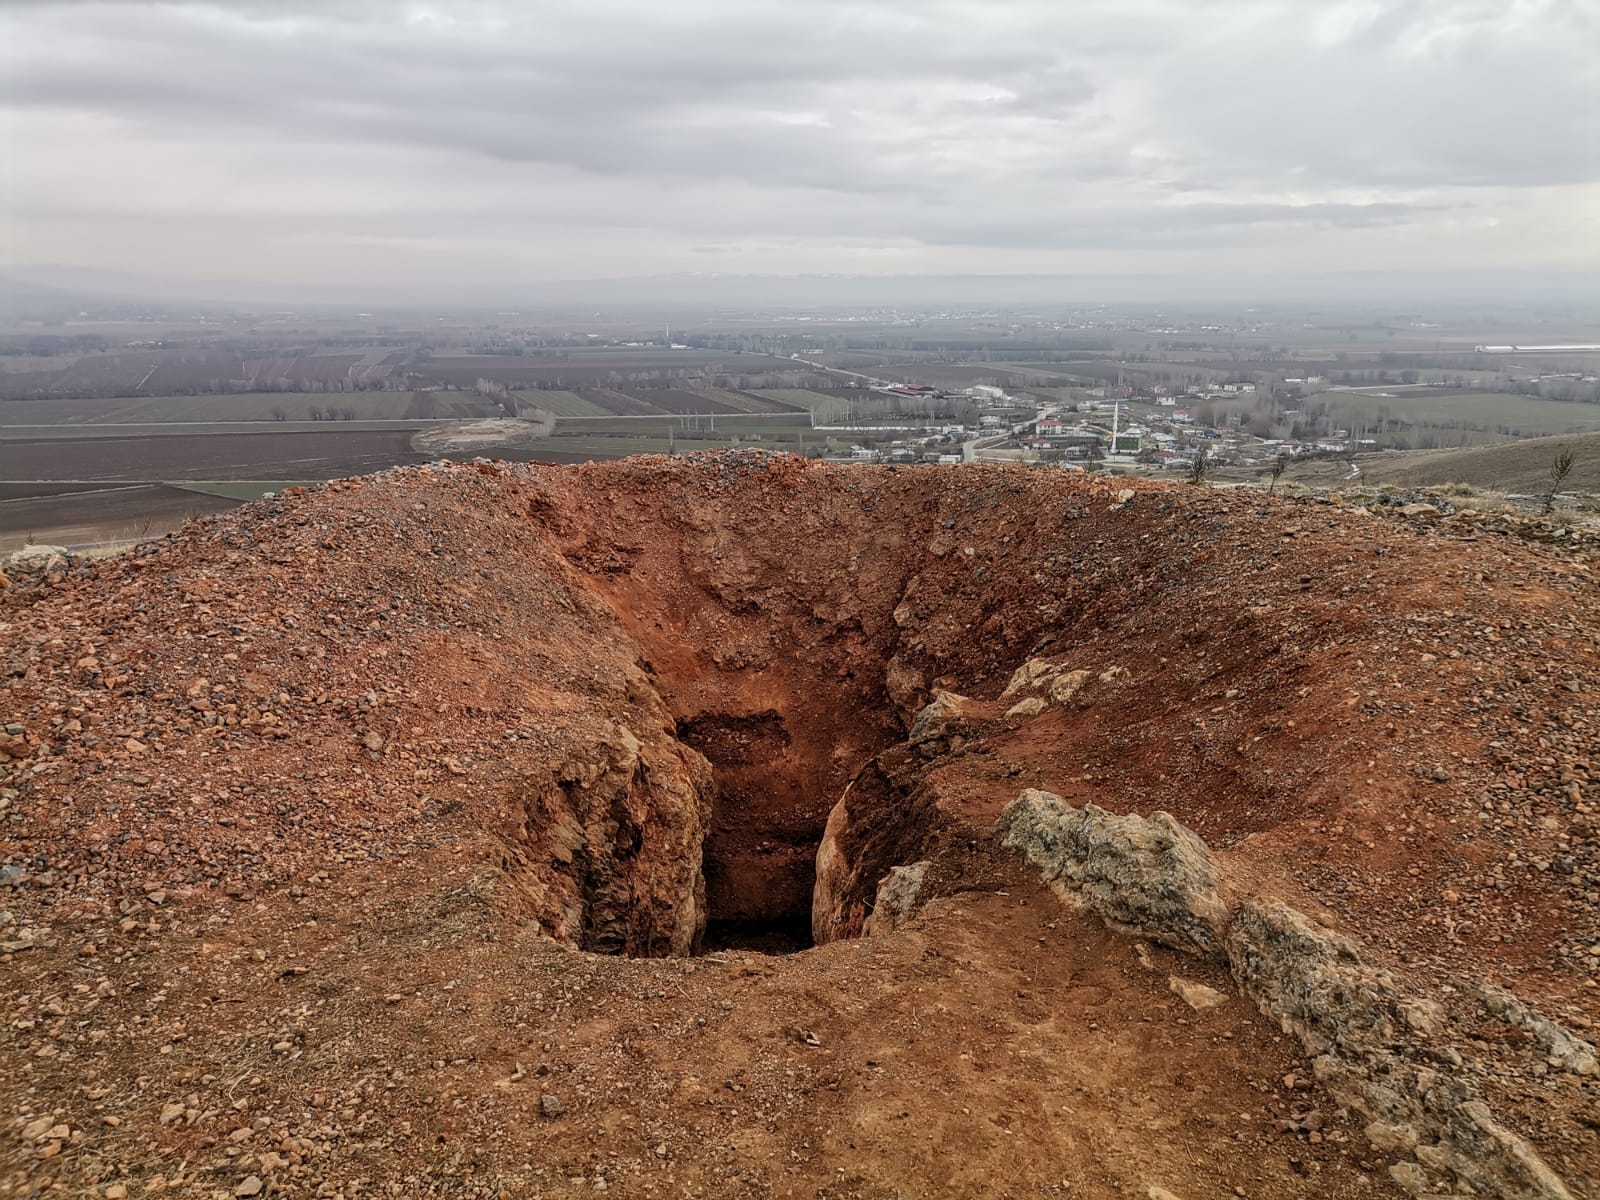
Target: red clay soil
(314, 812)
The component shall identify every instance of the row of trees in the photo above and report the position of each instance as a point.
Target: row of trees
(317, 412)
(49, 345)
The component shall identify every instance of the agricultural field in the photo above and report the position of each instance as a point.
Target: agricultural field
(819, 403)
(234, 489)
(32, 489)
(643, 402)
(1521, 467)
(202, 429)
(91, 515)
(563, 404)
(756, 402)
(683, 401)
(262, 407)
(577, 368)
(326, 454)
(1504, 414)
(617, 403)
(715, 425)
(364, 370)
(584, 447)
(198, 369)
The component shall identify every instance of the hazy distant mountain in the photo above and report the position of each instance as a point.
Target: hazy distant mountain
(125, 287)
(52, 288)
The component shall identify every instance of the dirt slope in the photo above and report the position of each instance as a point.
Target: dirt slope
(307, 808)
(1521, 467)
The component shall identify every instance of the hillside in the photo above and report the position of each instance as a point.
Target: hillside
(735, 825)
(1521, 467)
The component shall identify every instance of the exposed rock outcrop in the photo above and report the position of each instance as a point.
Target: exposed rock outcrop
(888, 817)
(1376, 1048)
(1041, 684)
(608, 852)
(947, 715)
(35, 564)
(1575, 1055)
(833, 875)
(1150, 877)
(1377, 1044)
(899, 896)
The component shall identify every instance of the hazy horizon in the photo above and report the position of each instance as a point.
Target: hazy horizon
(490, 149)
(45, 286)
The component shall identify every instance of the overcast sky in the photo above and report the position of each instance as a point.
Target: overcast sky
(465, 144)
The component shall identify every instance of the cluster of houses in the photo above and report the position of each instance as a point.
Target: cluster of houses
(1169, 437)
(1165, 433)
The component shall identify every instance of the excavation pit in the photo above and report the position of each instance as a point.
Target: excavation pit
(513, 715)
(759, 855)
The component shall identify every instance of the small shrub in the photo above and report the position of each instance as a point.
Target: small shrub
(1565, 460)
(1279, 466)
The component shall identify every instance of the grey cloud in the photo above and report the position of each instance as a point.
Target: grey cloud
(658, 101)
(1094, 126)
(1420, 94)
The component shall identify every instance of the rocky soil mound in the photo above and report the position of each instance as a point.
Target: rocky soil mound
(419, 834)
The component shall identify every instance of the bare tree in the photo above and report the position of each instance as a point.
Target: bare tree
(1279, 466)
(1565, 460)
(1200, 467)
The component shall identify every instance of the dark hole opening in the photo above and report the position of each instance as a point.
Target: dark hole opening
(758, 889)
(759, 858)
(780, 935)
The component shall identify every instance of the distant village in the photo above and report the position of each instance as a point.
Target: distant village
(1150, 428)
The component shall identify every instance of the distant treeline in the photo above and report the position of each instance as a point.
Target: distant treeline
(48, 345)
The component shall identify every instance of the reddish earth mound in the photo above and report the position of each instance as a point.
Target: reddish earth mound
(295, 799)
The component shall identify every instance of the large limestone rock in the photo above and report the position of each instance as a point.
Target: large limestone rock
(1370, 1038)
(899, 896)
(1574, 1054)
(946, 715)
(1152, 877)
(886, 818)
(1379, 1045)
(34, 564)
(834, 874)
(1039, 684)
(1028, 675)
